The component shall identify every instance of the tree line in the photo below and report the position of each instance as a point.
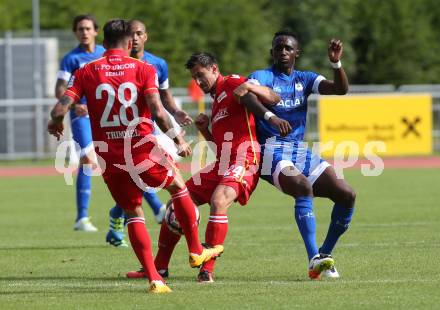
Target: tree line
(385, 42)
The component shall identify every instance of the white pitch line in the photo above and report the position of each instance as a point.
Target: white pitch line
(85, 284)
(57, 285)
(324, 282)
(354, 225)
(342, 245)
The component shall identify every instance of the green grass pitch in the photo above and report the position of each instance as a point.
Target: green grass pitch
(389, 258)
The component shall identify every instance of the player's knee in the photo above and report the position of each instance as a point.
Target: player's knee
(133, 212)
(304, 188)
(217, 201)
(175, 187)
(347, 196)
(177, 184)
(218, 205)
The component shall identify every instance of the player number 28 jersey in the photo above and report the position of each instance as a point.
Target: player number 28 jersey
(114, 87)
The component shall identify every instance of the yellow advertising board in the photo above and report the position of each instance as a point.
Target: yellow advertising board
(402, 122)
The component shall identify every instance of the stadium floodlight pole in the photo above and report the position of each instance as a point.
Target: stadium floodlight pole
(38, 86)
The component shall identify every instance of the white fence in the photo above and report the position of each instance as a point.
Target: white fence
(23, 121)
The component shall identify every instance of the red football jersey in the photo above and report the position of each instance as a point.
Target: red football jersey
(232, 125)
(114, 87)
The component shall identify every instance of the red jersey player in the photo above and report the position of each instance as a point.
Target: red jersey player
(122, 97)
(234, 174)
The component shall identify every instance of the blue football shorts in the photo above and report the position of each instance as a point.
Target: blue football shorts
(275, 157)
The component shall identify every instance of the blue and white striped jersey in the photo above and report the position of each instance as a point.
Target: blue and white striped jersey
(293, 90)
(75, 59)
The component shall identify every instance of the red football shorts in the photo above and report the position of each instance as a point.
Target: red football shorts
(127, 189)
(243, 179)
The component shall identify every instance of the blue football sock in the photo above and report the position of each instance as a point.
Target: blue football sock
(341, 218)
(153, 201)
(116, 211)
(305, 219)
(83, 185)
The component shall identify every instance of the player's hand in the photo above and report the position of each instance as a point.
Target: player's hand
(281, 125)
(202, 122)
(335, 50)
(182, 118)
(183, 148)
(241, 90)
(81, 110)
(56, 129)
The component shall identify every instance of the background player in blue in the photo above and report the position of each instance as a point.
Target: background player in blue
(85, 29)
(287, 163)
(115, 236)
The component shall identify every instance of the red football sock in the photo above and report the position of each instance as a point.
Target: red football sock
(216, 231)
(166, 244)
(186, 215)
(141, 244)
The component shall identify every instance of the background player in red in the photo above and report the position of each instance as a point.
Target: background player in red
(234, 174)
(122, 97)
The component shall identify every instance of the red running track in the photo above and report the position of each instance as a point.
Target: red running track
(390, 163)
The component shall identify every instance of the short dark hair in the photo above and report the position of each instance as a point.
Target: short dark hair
(116, 31)
(82, 17)
(285, 32)
(200, 58)
(133, 22)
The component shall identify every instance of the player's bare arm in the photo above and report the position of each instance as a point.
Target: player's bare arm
(265, 94)
(251, 102)
(202, 124)
(163, 121)
(55, 125)
(339, 85)
(60, 88)
(181, 117)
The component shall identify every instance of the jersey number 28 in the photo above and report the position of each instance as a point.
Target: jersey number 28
(108, 120)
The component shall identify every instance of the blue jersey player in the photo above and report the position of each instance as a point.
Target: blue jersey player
(287, 163)
(85, 29)
(115, 236)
